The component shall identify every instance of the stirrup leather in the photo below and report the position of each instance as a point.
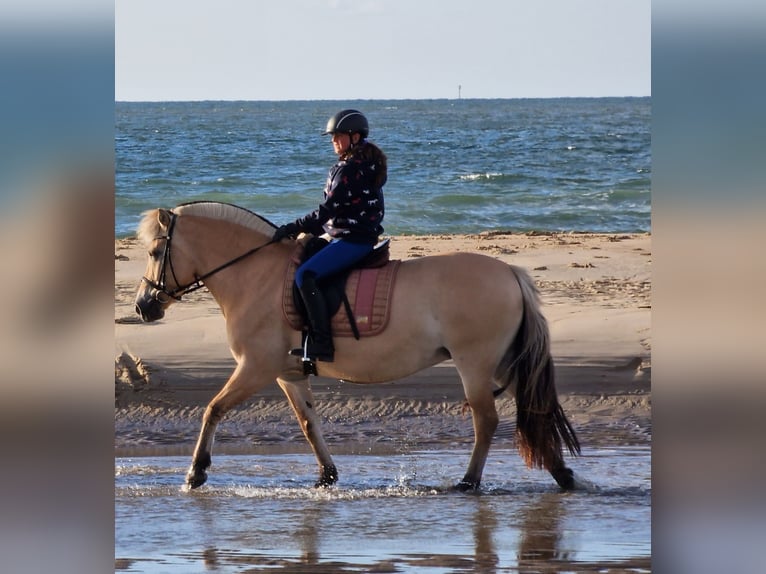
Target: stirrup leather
(309, 365)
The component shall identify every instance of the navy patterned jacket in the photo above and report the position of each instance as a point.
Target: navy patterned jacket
(353, 204)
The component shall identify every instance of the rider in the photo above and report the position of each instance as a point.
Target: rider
(351, 213)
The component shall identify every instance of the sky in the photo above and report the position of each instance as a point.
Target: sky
(168, 50)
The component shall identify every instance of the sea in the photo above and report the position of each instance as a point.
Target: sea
(455, 166)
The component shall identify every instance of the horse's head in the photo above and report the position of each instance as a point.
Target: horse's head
(159, 286)
(177, 262)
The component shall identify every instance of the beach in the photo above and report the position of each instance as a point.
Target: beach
(596, 293)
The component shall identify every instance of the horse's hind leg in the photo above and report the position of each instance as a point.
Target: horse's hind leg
(561, 473)
(485, 420)
(301, 399)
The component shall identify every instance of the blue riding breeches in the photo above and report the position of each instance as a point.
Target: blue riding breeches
(337, 256)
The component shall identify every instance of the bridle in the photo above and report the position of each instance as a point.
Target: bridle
(160, 286)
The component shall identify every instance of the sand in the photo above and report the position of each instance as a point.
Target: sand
(596, 291)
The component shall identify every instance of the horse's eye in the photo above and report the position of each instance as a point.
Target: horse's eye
(155, 253)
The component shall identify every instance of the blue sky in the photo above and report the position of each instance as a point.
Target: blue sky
(380, 49)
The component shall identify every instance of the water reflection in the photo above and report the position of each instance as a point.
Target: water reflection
(485, 524)
(308, 528)
(210, 559)
(538, 543)
(205, 517)
(540, 535)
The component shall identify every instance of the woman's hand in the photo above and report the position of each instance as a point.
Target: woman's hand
(290, 230)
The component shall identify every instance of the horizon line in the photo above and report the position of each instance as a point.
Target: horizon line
(462, 99)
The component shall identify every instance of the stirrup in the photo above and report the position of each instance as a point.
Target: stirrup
(309, 366)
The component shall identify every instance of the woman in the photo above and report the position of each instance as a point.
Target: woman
(351, 213)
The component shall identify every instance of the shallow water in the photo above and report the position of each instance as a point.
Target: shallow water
(261, 513)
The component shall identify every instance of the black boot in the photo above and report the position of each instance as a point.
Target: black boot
(319, 346)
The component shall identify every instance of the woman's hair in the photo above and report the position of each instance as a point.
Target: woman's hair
(368, 151)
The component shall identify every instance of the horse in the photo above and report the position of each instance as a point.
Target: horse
(480, 312)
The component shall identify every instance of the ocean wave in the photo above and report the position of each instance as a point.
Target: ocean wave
(481, 176)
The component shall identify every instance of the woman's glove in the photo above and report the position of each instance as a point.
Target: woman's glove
(290, 230)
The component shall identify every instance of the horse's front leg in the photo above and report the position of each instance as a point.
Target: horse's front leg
(301, 398)
(240, 386)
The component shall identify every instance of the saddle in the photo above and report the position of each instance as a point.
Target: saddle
(364, 292)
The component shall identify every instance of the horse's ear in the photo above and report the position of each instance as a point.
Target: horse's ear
(163, 216)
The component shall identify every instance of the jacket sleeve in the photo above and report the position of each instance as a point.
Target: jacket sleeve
(314, 222)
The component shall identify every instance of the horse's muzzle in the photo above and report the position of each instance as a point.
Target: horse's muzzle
(149, 309)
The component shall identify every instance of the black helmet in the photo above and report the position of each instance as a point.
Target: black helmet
(348, 122)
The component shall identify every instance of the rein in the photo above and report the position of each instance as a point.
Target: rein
(182, 290)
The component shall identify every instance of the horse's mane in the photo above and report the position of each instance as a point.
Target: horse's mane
(148, 228)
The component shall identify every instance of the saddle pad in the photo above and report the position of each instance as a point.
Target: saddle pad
(369, 294)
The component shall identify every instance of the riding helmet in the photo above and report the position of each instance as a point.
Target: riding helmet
(348, 122)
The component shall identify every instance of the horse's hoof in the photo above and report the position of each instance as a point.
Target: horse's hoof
(564, 477)
(196, 479)
(466, 486)
(327, 477)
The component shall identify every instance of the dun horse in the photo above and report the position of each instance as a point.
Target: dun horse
(478, 311)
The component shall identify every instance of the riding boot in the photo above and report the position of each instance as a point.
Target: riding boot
(319, 346)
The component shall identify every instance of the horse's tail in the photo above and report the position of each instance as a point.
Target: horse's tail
(542, 428)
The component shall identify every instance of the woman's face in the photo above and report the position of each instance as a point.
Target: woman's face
(340, 142)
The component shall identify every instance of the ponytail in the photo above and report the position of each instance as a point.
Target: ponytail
(368, 151)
